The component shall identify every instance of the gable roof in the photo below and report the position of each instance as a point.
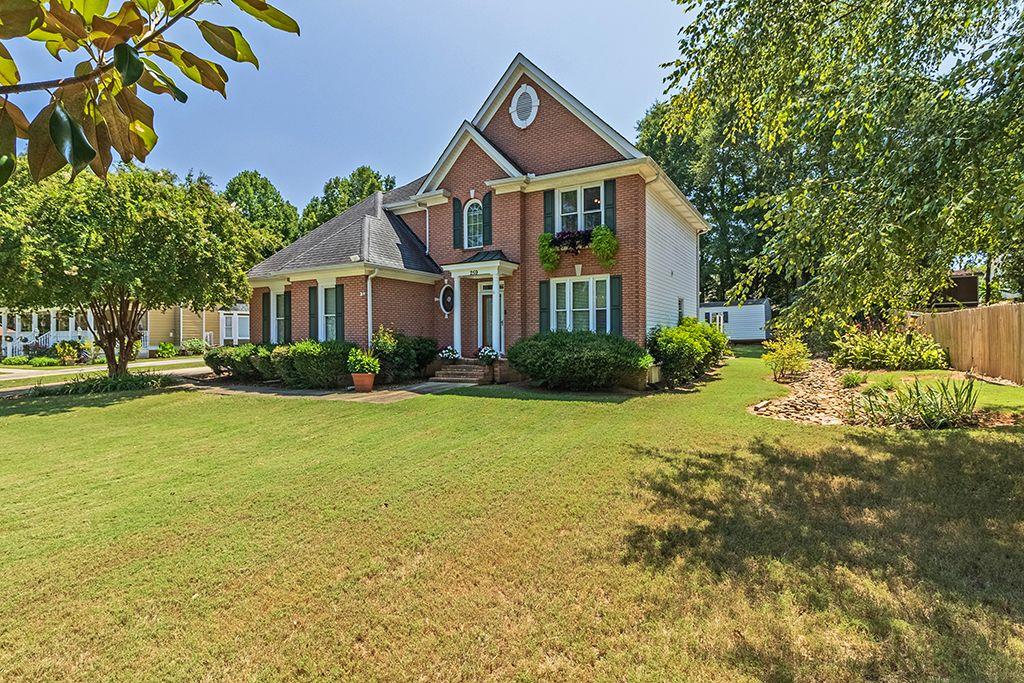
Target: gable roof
(462, 137)
(521, 65)
(363, 233)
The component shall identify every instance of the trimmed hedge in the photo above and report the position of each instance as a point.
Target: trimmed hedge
(402, 357)
(578, 361)
(687, 351)
(892, 349)
(303, 365)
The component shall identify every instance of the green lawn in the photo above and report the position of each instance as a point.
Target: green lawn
(499, 534)
(64, 374)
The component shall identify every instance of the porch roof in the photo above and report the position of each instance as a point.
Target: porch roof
(492, 255)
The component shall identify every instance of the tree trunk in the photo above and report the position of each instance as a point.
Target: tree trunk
(115, 325)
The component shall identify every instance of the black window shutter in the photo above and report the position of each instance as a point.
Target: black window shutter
(549, 211)
(457, 223)
(545, 306)
(287, 317)
(616, 304)
(314, 317)
(609, 203)
(339, 311)
(725, 317)
(707, 317)
(487, 218)
(266, 318)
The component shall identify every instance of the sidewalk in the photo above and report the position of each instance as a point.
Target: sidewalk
(183, 373)
(22, 373)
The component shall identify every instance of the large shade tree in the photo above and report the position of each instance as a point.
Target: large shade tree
(908, 113)
(139, 241)
(110, 52)
(261, 203)
(341, 193)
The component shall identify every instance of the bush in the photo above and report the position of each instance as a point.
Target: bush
(238, 361)
(68, 352)
(262, 363)
(424, 349)
(166, 350)
(786, 356)
(216, 359)
(315, 365)
(195, 347)
(402, 357)
(44, 362)
(682, 352)
(605, 245)
(96, 384)
(15, 360)
(487, 355)
(950, 403)
(715, 338)
(891, 349)
(852, 380)
(360, 361)
(578, 361)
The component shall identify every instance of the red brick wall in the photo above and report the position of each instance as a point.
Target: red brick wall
(406, 307)
(256, 315)
(355, 308)
(300, 309)
(418, 222)
(557, 140)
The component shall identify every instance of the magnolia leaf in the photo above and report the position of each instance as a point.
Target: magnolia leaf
(43, 158)
(8, 69)
(17, 116)
(70, 140)
(268, 14)
(19, 18)
(204, 72)
(148, 6)
(120, 28)
(65, 22)
(228, 41)
(89, 9)
(117, 125)
(128, 64)
(8, 147)
(156, 81)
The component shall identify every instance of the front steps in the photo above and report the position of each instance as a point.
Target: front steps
(464, 371)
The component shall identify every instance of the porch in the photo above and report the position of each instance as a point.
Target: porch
(482, 273)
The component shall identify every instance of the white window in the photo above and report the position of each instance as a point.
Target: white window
(279, 315)
(330, 314)
(524, 106)
(580, 304)
(580, 208)
(229, 327)
(682, 311)
(474, 222)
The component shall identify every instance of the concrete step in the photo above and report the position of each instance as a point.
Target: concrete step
(470, 371)
(456, 380)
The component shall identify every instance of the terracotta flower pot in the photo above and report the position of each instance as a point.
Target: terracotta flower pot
(363, 381)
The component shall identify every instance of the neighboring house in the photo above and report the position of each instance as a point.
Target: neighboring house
(45, 328)
(428, 258)
(744, 322)
(963, 293)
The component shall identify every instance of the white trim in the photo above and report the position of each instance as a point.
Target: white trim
(513, 108)
(463, 135)
(329, 273)
(481, 269)
(418, 202)
(580, 211)
(481, 286)
(591, 301)
(465, 224)
(522, 66)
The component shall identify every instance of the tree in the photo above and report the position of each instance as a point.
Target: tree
(96, 109)
(137, 242)
(264, 207)
(721, 178)
(341, 193)
(907, 114)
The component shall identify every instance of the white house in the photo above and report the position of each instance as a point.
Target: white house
(743, 322)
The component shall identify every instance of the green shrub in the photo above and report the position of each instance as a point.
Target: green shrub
(217, 359)
(68, 352)
(402, 357)
(15, 360)
(98, 384)
(605, 245)
(360, 361)
(284, 368)
(715, 338)
(888, 384)
(683, 353)
(547, 253)
(891, 349)
(424, 349)
(262, 363)
(578, 361)
(949, 404)
(44, 362)
(786, 356)
(238, 361)
(315, 365)
(195, 347)
(166, 350)
(852, 380)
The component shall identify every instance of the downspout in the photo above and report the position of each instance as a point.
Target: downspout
(369, 306)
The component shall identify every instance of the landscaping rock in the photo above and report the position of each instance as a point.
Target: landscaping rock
(816, 397)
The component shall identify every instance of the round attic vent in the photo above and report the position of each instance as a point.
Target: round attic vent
(524, 106)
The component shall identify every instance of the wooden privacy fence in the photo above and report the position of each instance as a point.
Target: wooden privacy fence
(988, 340)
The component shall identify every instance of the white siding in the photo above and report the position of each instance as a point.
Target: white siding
(671, 265)
(746, 323)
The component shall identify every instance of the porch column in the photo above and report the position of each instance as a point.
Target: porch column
(3, 326)
(457, 314)
(273, 316)
(53, 324)
(496, 311)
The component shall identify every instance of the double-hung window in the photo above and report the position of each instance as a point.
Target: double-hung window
(474, 238)
(580, 208)
(330, 314)
(279, 318)
(580, 304)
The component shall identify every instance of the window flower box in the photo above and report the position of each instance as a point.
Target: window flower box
(572, 240)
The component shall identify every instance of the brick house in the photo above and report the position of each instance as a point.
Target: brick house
(427, 258)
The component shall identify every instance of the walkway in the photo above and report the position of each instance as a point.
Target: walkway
(8, 373)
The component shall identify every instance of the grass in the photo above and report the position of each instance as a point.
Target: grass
(996, 397)
(183, 361)
(63, 375)
(495, 533)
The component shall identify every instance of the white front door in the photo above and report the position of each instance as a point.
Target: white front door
(484, 318)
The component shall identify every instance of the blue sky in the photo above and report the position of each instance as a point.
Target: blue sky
(387, 83)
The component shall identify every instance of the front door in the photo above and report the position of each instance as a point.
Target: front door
(485, 322)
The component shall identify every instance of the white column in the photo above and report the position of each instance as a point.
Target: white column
(3, 326)
(457, 314)
(53, 324)
(495, 311)
(35, 324)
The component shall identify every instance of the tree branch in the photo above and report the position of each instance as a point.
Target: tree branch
(99, 70)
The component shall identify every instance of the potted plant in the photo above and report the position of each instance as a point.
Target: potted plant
(364, 368)
(448, 354)
(487, 355)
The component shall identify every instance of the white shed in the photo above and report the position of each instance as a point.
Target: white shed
(743, 322)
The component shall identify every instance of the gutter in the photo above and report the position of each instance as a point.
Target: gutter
(369, 306)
